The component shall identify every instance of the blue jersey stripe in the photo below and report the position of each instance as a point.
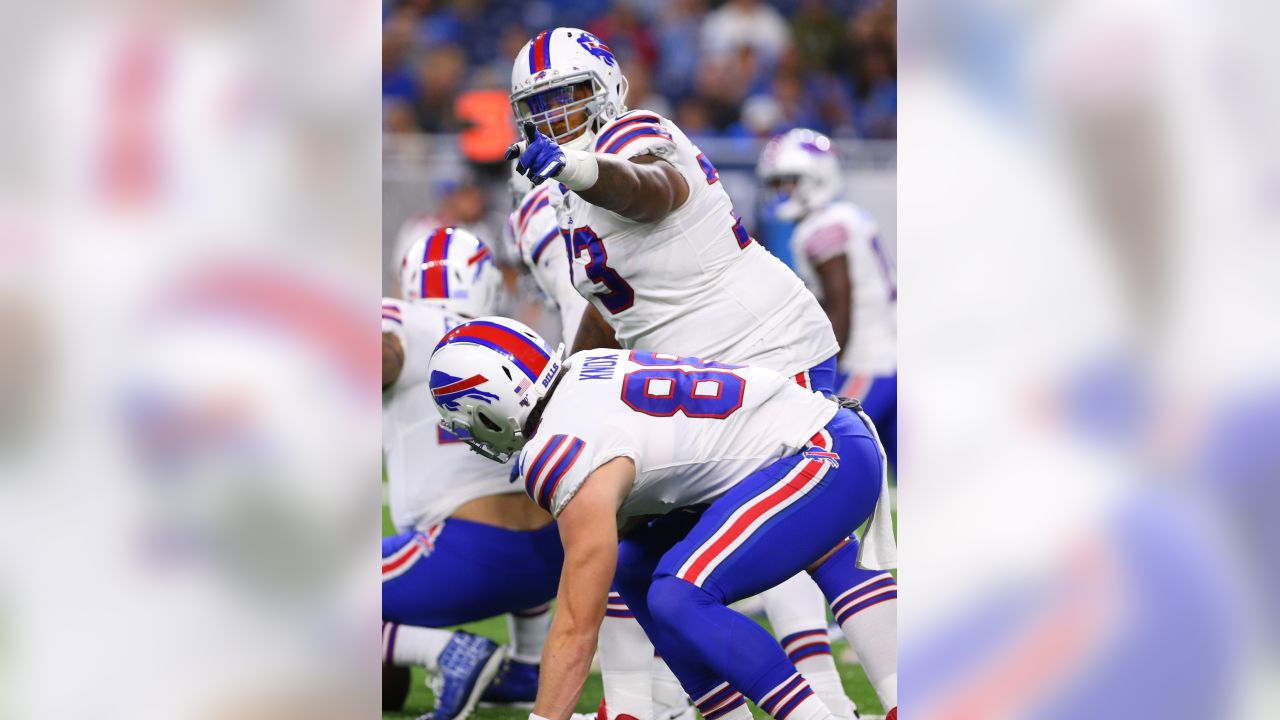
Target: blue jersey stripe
(539, 462)
(630, 122)
(542, 245)
(559, 471)
(642, 131)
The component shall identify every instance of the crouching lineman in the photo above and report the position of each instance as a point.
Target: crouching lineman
(725, 480)
(470, 546)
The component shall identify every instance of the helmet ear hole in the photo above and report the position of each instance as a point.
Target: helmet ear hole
(487, 423)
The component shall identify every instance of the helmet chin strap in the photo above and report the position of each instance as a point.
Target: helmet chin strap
(535, 416)
(582, 142)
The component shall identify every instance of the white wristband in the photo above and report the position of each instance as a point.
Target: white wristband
(535, 716)
(580, 172)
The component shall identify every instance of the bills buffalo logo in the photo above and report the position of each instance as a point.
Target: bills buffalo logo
(823, 455)
(592, 44)
(448, 390)
(478, 260)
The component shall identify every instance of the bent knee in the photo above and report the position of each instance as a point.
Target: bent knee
(671, 599)
(631, 581)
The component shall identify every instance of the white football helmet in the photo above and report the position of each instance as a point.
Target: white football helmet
(450, 268)
(808, 158)
(487, 375)
(547, 72)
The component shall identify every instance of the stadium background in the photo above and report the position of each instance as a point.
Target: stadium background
(730, 74)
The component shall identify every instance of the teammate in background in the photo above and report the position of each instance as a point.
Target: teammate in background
(533, 231)
(720, 480)
(635, 682)
(461, 523)
(667, 265)
(839, 253)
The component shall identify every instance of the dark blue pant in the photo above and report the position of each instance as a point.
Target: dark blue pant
(459, 572)
(879, 397)
(680, 572)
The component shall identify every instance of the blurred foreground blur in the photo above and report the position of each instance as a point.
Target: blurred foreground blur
(188, 426)
(1090, 359)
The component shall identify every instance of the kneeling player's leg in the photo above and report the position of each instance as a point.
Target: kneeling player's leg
(459, 572)
(770, 526)
(517, 683)
(637, 682)
(669, 697)
(488, 571)
(638, 557)
(881, 404)
(625, 662)
(797, 612)
(865, 604)
(528, 632)
(405, 645)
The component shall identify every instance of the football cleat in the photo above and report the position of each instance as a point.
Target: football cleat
(515, 684)
(467, 665)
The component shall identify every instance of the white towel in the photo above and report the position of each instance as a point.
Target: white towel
(878, 549)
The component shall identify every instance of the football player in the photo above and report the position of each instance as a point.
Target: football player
(461, 524)
(720, 481)
(666, 264)
(840, 254)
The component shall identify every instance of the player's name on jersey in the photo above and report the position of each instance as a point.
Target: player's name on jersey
(598, 368)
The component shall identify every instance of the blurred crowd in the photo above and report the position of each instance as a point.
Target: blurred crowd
(735, 68)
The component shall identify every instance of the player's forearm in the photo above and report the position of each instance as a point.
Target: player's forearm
(837, 298)
(839, 316)
(594, 332)
(566, 662)
(392, 359)
(639, 191)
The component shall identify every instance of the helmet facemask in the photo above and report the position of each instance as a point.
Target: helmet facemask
(787, 193)
(551, 107)
(494, 437)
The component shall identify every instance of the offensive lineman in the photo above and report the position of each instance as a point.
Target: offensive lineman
(460, 522)
(721, 481)
(667, 265)
(839, 252)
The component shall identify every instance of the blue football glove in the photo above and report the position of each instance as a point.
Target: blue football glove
(540, 157)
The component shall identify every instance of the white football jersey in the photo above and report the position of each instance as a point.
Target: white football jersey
(694, 429)
(542, 249)
(694, 283)
(843, 228)
(430, 473)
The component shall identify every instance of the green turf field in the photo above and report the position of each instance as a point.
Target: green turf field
(421, 699)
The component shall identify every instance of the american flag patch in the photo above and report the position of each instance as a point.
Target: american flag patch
(823, 455)
(524, 385)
